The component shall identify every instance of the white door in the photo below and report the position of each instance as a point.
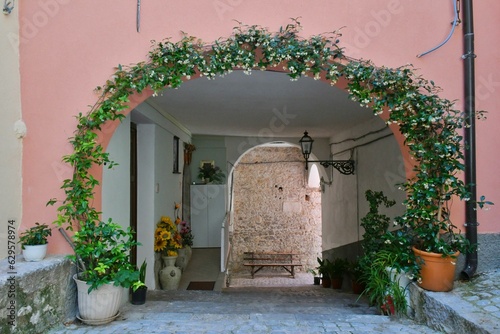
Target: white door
(208, 209)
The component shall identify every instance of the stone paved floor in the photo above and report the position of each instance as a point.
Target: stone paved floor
(276, 303)
(476, 301)
(271, 304)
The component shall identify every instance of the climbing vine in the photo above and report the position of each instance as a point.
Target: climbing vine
(429, 123)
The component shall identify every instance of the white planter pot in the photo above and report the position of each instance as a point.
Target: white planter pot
(403, 281)
(101, 305)
(34, 253)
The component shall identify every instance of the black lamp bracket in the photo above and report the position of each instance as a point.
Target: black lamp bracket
(345, 167)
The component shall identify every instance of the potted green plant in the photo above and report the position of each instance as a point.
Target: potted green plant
(34, 242)
(336, 270)
(377, 237)
(316, 276)
(101, 253)
(355, 270)
(383, 288)
(139, 288)
(375, 223)
(323, 271)
(433, 134)
(211, 174)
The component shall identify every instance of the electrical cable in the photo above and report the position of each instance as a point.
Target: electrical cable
(455, 21)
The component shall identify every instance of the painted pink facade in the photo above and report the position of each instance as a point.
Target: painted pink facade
(67, 48)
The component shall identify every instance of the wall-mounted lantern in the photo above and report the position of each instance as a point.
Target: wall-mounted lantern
(345, 167)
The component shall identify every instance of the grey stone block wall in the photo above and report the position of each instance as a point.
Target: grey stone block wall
(39, 296)
(489, 248)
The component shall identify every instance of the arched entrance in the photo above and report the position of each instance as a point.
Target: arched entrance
(250, 47)
(274, 209)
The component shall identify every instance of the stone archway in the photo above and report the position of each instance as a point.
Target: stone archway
(406, 101)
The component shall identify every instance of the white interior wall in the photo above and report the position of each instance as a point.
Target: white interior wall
(116, 181)
(378, 166)
(158, 187)
(146, 198)
(168, 186)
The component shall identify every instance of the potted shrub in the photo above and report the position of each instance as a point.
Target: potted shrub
(103, 269)
(139, 288)
(34, 242)
(336, 270)
(433, 134)
(377, 237)
(355, 271)
(323, 271)
(209, 173)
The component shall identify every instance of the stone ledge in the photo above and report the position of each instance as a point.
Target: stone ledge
(446, 312)
(36, 295)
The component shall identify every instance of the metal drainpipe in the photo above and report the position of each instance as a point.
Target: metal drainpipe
(470, 138)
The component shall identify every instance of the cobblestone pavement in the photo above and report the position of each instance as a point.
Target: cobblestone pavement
(264, 307)
(483, 292)
(476, 301)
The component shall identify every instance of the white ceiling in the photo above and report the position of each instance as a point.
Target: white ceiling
(263, 102)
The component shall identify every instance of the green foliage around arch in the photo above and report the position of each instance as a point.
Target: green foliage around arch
(429, 123)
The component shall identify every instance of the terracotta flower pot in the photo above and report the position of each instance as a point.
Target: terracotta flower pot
(326, 282)
(437, 272)
(357, 287)
(337, 282)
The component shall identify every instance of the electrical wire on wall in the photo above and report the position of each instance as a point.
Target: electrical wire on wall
(456, 21)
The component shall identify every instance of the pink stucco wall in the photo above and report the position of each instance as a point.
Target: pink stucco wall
(67, 48)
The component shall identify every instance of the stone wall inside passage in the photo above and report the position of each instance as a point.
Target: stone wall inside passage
(273, 208)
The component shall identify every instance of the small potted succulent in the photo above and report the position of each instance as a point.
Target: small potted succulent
(139, 288)
(34, 242)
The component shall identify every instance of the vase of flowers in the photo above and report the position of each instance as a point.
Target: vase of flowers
(168, 242)
(187, 241)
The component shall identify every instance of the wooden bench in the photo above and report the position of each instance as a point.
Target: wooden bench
(257, 261)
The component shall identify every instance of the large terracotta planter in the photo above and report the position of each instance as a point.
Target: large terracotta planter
(437, 272)
(326, 282)
(337, 282)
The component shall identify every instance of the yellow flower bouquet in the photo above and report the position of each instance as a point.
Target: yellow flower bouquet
(167, 238)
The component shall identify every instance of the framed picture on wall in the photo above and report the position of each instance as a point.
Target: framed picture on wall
(176, 155)
(206, 164)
